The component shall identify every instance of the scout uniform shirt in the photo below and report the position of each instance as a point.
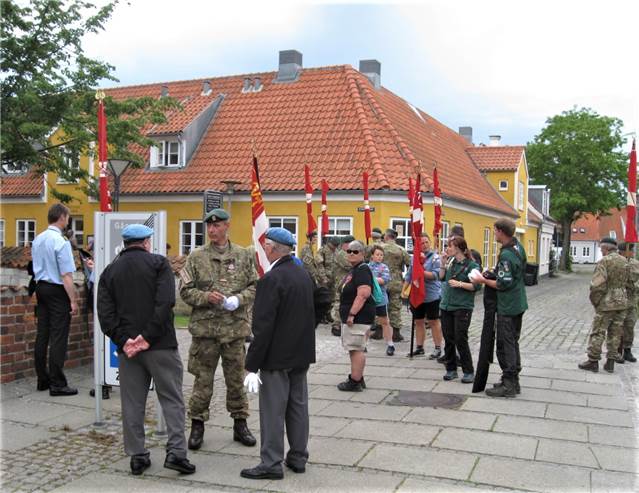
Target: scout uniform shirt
(511, 291)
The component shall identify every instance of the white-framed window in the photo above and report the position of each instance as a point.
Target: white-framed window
(486, 251)
(503, 185)
(76, 223)
(494, 257)
(573, 251)
(14, 168)
(337, 226)
(585, 252)
(166, 153)
(404, 229)
(25, 231)
(191, 236)
(521, 195)
(613, 234)
(71, 161)
(574, 230)
(531, 248)
(582, 230)
(443, 238)
(1, 233)
(289, 223)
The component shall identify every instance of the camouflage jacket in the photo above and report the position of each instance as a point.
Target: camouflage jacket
(609, 283)
(397, 259)
(341, 267)
(325, 261)
(311, 264)
(369, 250)
(232, 273)
(632, 289)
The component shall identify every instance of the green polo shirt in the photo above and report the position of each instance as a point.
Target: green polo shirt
(511, 291)
(458, 298)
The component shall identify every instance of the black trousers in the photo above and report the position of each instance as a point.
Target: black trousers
(455, 328)
(508, 332)
(54, 318)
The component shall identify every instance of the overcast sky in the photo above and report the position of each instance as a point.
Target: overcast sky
(502, 67)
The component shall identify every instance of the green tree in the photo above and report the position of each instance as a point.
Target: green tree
(48, 84)
(578, 155)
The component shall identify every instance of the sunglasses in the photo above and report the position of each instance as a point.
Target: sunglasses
(353, 252)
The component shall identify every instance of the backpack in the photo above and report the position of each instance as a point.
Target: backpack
(376, 292)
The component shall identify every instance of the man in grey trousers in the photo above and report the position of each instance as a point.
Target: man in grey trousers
(136, 294)
(282, 350)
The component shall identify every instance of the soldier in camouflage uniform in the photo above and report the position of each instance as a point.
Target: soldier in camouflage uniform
(609, 297)
(377, 237)
(218, 281)
(628, 336)
(341, 267)
(311, 261)
(397, 259)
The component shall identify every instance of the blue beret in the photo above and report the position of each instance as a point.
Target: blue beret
(136, 232)
(216, 215)
(280, 235)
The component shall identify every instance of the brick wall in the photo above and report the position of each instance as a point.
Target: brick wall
(18, 331)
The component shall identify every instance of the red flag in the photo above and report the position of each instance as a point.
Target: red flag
(367, 210)
(325, 227)
(411, 192)
(437, 202)
(418, 289)
(105, 195)
(260, 223)
(312, 225)
(631, 208)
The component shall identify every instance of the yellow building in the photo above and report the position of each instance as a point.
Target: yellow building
(338, 120)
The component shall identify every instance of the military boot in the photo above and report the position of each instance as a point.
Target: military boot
(628, 356)
(589, 365)
(197, 434)
(242, 434)
(501, 383)
(336, 330)
(397, 336)
(507, 389)
(610, 366)
(619, 359)
(377, 333)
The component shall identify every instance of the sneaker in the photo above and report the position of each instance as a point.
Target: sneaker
(390, 350)
(468, 378)
(419, 351)
(350, 385)
(450, 375)
(437, 352)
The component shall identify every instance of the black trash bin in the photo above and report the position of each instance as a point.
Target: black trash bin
(530, 277)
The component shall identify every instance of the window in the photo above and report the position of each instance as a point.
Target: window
(1, 232)
(582, 230)
(585, 252)
(337, 226)
(521, 195)
(191, 236)
(443, 239)
(486, 246)
(494, 258)
(613, 234)
(166, 153)
(503, 185)
(573, 251)
(13, 168)
(404, 230)
(574, 230)
(531, 248)
(68, 174)
(25, 231)
(76, 223)
(290, 224)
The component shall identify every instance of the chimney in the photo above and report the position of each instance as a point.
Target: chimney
(164, 92)
(257, 84)
(494, 140)
(206, 88)
(247, 85)
(373, 70)
(467, 133)
(290, 66)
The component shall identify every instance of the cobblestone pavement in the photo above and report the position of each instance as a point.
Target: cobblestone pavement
(568, 431)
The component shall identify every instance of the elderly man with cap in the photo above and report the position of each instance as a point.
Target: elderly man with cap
(218, 281)
(282, 350)
(609, 297)
(136, 295)
(397, 259)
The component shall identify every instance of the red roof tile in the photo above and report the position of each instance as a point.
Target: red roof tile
(593, 228)
(496, 158)
(30, 184)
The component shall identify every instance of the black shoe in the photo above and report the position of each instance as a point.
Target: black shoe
(139, 464)
(377, 333)
(610, 366)
(242, 434)
(336, 331)
(57, 391)
(397, 336)
(390, 350)
(259, 472)
(628, 356)
(501, 382)
(419, 351)
(180, 465)
(507, 389)
(589, 365)
(105, 392)
(350, 385)
(450, 375)
(42, 385)
(197, 434)
(295, 469)
(442, 360)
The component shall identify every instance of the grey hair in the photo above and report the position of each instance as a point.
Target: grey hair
(357, 245)
(280, 248)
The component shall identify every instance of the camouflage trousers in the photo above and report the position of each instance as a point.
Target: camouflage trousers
(394, 291)
(606, 326)
(335, 310)
(204, 355)
(629, 322)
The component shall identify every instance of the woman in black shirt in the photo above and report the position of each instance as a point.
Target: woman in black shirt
(357, 311)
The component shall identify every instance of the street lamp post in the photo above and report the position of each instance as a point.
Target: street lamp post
(230, 189)
(117, 167)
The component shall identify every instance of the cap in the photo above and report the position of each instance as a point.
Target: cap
(391, 232)
(608, 240)
(136, 232)
(347, 239)
(333, 240)
(376, 233)
(216, 215)
(280, 235)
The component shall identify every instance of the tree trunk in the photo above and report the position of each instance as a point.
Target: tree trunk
(565, 247)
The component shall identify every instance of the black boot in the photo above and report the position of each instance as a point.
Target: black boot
(336, 330)
(589, 365)
(377, 333)
(242, 434)
(628, 356)
(507, 389)
(397, 336)
(610, 366)
(197, 434)
(517, 387)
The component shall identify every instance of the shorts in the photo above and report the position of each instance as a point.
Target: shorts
(381, 311)
(354, 337)
(429, 311)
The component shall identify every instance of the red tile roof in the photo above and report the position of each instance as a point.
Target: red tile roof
(30, 184)
(496, 158)
(587, 229)
(596, 227)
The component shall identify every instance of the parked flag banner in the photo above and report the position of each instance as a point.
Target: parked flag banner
(437, 202)
(418, 289)
(105, 195)
(312, 225)
(631, 208)
(325, 227)
(367, 209)
(260, 223)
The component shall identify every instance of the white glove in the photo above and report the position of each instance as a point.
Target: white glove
(252, 382)
(474, 275)
(231, 303)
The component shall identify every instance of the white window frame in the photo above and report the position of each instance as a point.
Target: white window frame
(332, 224)
(486, 246)
(26, 231)
(14, 168)
(503, 185)
(494, 256)
(193, 244)
(522, 195)
(72, 162)
(443, 236)
(1, 233)
(278, 221)
(613, 234)
(78, 233)
(159, 157)
(405, 239)
(573, 251)
(585, 251)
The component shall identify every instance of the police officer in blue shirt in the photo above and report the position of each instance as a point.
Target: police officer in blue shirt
(53, 267)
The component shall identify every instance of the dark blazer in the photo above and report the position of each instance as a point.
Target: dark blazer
(283, 319)
(136, 294)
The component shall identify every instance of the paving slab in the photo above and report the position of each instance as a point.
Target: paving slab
(589, 415)
(408, 433)
(512, 473)
(486, 442)
(535, 382)
(419, 460)
(607, 402)
(100, 481)
(450, 417)
(334, 369)
(374, 396)
(563, 452)
(321, 479)
(412, 485)
(336, 451)
(603, 377)
(554, 396)
(216, 437)
(613, 435)
(574, 376)
(453, 387)
(429, 373)
(399, 384)
(316, 405)
(617, 458)
(542, 427)
(329, 392)
(72, 419)
(24, 410)
(15, 436)
(517, 407)
(387, 371)
(325, 426)
(588, 388)
(614, 482)
(364, 411)
(327, 378)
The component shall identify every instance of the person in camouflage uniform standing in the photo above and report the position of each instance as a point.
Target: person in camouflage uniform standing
(397, 259)
(609, 297)
(341, 267)
(218, 281)
(325, 260)
(311, 261)
(377, 237)
(628, 336)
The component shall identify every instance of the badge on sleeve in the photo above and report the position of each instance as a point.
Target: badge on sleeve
(185, 277)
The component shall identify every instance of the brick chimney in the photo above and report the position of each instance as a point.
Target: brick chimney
(373, 70)
(290, 66)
